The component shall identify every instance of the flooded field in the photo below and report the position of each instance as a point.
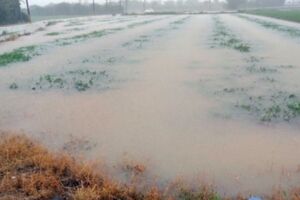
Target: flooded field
(210, 98)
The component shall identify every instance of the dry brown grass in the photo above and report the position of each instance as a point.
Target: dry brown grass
(29, 171)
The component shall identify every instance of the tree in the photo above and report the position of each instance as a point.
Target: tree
(28, 10)
(93, 7)
(235, 4)
(10, 12)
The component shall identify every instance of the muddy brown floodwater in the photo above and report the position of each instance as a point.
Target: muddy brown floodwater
(158, 106)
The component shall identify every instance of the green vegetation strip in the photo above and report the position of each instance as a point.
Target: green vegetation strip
(284, 14)
(143, 39)
(293, 32)
(143, 23)
(22, 54)
(53, 33)
(84, 37)
(81, 80)
(224, 38)
(273, 103)
(276, 106)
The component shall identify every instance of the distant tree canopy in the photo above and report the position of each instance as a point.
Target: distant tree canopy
(75, 9)
(235, 4)
(10, 12)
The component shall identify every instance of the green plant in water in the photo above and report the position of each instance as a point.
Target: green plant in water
(22, 54)
(53, 33)
(13, 86)
(294, 107)
(81, 86)
(223, 37)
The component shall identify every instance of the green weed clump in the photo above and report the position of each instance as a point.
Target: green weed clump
(13, 86)
(223, 37)
(22, 54)
(53, 33)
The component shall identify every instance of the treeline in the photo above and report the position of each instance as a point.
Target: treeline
(132, 6)
(75, 9)
(10, 12)
(235, 4)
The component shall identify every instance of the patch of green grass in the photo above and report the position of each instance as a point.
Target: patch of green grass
(294, 107)
(290, 15)
(223, 37)
(22, 54)
(53, 33)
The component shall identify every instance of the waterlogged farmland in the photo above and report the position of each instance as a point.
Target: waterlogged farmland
(213, 99)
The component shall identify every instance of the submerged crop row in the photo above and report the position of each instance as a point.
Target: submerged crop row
(294, 32)
(139, 42)
(223, 37)
(264, 96)
(80, 80)
(133, 25)
(255, 90)
(24, 54)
